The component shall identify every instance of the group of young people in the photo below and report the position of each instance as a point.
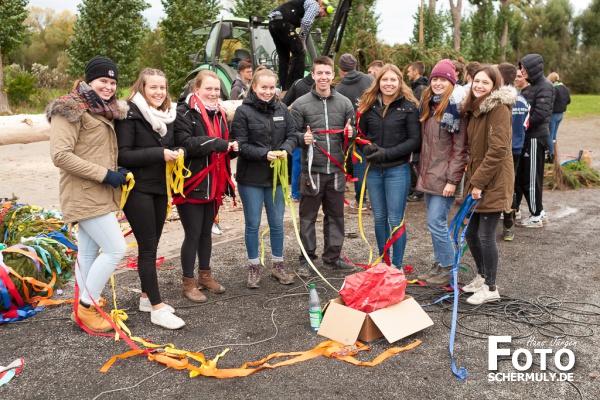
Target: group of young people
(96, 141)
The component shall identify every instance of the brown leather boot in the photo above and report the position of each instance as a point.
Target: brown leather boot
(92, 319)
(206, 281)
(279, 273)
(253, 276)
(191, 291)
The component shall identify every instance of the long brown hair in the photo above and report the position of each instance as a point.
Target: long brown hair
(427, 109)
(140, 87)
(472, 103)
(370, 96)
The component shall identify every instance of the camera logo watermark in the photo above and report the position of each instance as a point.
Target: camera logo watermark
(562, 360)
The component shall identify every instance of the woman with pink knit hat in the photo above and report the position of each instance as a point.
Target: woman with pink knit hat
(442, 164)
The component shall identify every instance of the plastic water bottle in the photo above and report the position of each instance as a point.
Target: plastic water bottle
(314, 308)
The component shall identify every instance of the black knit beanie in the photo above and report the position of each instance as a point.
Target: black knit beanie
(100, 67)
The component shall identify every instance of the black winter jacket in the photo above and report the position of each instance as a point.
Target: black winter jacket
(539, 95)
(353, 86)
(260, 127)
(191, 134)
(298, 89)
(323, 113)
(419, 85)
(141, 150)
(399, 133)
(562, 98)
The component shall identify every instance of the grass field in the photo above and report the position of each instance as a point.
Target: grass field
(583, 105)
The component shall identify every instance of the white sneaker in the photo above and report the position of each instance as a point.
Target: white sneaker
(484, 295)
(146, 306)
(216, 229)
(517, 215)
(544, 217)
(475, 285)
(163, 317)
(531, 222)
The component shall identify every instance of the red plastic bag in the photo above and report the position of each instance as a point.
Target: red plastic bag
(374, 288)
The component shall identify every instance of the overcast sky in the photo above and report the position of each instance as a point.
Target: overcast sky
(396, 22)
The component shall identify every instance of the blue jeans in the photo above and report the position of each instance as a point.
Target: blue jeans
(359, 172)
(438, 208)
(554, 123)
(388, 188)
(253, 198)
(296, 169)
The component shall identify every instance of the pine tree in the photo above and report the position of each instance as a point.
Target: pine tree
(110, 28)
(182, 16)
(12, 31)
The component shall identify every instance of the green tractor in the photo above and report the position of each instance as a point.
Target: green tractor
(231, 40)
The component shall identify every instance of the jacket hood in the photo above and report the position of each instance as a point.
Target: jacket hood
(308, 79)
(534, 65)
(72, 111)
(504, 95)
(352, 78)
(422, 80)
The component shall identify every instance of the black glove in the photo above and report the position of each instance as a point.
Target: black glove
(377, 157)
(369, 149)
(114, 179)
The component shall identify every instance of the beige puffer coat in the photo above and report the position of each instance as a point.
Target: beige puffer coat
(84, 146)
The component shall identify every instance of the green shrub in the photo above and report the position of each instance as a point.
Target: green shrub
(20, 86)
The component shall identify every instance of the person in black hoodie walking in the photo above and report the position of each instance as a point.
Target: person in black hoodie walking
(146, 144)
(530, 173)
(265, 130)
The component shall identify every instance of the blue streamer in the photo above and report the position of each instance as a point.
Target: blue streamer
(457, 237)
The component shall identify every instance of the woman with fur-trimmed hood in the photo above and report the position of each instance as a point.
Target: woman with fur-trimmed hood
(83, 144)
(489, 176)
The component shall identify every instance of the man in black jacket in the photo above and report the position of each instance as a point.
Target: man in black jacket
(283, 22)
(353, 85)
(530, 173)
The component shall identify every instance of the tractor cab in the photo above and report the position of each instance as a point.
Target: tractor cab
(232, 40)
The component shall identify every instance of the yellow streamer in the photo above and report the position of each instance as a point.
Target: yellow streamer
(176, 173)
(280, 173)
(126, 189)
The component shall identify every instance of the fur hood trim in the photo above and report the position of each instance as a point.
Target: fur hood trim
(504, 95)
(72, 111)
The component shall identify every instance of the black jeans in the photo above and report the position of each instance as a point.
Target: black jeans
(288, 41)
(146, 214)
(197, 221)
(481, 237)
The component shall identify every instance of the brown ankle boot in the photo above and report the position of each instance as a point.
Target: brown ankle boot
(206, 281)
(253, 276)
(278, 273)
(92, 319)
(191, 291)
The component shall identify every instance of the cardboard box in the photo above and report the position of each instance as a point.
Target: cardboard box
(346, 325)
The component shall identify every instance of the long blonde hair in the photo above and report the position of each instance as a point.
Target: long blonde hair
(426, 100)
(370, 96)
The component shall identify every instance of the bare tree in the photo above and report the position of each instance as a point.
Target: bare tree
(456, 11)
(431, 8)
(504, 5)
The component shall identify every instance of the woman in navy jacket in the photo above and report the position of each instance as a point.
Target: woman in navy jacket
(146, 143)
(265, 131)
(390, 131)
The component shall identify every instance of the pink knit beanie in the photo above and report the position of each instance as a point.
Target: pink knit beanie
(444, 69)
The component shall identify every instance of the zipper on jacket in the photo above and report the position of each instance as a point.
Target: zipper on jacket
(327, 136)
(271, 130)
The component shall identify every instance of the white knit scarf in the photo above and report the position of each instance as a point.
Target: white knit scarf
(157, 118)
